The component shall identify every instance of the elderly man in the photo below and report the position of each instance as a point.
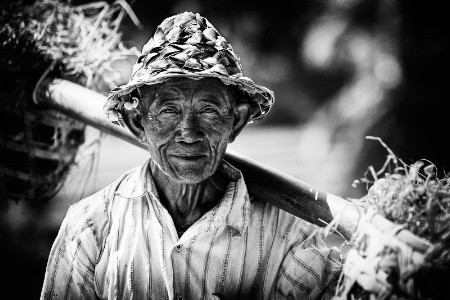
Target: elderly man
(183, 225)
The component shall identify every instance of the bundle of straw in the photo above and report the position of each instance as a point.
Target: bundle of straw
(84, 40)
(51, 38)
(380, 266)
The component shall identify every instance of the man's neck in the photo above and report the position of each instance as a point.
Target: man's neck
(186, 203)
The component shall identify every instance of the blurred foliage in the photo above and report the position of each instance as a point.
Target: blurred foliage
(271, 38)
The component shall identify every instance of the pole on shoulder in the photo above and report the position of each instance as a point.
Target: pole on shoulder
(265, 183)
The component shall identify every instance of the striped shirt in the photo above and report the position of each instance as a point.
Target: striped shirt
(121, 243)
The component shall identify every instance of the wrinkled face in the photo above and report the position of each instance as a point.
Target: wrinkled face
(187, 124)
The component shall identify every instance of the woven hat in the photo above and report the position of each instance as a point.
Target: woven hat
(187, 45)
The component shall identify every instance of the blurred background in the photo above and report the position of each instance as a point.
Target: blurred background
(341, 70)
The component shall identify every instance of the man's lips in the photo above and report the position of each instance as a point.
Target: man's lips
(189, 156)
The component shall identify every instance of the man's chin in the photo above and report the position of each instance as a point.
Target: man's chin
(190, 177)
(191, 170)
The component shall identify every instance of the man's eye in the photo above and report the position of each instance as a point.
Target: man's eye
(209, 110)
(168, 111)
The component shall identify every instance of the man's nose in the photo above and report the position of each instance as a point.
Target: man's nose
(189, 129)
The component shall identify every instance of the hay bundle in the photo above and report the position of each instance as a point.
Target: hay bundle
(50, 38)
(382, 267)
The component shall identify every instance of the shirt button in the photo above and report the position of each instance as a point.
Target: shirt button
(178, 249)
(179, 297)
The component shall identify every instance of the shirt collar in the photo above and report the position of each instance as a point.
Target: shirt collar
(134, 183)
(233, 209)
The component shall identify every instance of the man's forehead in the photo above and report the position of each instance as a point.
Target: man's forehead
(174, 86)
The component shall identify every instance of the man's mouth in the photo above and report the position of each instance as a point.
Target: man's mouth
(185, 156)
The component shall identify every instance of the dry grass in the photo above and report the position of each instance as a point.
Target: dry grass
(78, 43)
(84, 40)
(413, 197)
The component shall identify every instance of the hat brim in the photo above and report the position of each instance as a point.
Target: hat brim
(261, 98)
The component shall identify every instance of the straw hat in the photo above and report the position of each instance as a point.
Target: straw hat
(188, 45)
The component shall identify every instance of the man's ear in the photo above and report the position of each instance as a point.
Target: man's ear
(132, 120)
(241, 118)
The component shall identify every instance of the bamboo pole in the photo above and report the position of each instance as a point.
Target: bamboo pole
(265, 183)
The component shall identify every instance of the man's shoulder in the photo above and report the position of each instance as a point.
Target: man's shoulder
(275, 216)
(99, 204)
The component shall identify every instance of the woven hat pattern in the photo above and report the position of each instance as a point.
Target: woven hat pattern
(187, 45)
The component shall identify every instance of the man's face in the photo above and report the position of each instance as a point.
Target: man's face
(188, 124)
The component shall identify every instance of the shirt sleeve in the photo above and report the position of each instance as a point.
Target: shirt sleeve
(71, 264)
(310, 269)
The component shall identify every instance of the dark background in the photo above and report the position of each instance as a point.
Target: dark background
(340, 70)
(274, 33)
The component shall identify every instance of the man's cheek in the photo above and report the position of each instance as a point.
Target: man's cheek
(158, 136)
(160, 130)
(217, 126)
(218, 140)
(161, 126)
